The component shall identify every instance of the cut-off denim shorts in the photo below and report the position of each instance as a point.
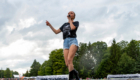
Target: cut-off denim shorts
(69, 41)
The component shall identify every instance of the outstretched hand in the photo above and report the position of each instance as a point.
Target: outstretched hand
(47, 23)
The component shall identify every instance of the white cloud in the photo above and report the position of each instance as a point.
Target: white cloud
(23, 23)
(26, 23)
(108, 39)
(19, 47)
(22, 70)
(54, 44)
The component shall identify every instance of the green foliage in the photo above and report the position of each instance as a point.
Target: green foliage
(137, 65)
(133, 49)
(7, 73)
(11, 74)
(15, 73)
(35, 68)
(49, 69)
(125, 64)
(94, 60)
(109, 64)
(89, 57)
(123, 46)
(42, 69)
(1, 73)
(84, 61)
(57, 63)
(115, 54)
(27, 74)
(98, 51)
(103, 69)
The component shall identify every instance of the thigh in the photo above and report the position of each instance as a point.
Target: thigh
(72, 51)
(66, 51)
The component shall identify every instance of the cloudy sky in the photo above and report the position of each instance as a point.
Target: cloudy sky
(24, 35)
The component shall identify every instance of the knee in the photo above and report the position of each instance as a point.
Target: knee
(66, 64)
(69, 61)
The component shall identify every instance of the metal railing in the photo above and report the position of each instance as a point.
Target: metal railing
(15, 79)
(35, 79)
(93, 79)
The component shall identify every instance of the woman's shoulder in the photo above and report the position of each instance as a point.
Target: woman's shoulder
(76, 21)
(73, 22)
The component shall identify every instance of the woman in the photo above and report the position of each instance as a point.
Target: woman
(70, 44)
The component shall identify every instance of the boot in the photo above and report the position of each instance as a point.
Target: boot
(71, 75)
(76, 74)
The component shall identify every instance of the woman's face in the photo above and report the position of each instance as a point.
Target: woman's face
(72, 14)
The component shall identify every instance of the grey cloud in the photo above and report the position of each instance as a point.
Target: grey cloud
(7, 12)
(126, 22)
(26, 61)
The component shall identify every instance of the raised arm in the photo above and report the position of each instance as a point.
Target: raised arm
(71, 23)
(54, 30)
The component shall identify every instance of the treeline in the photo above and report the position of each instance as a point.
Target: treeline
(8, 73)
(122, 58)
(93, 60)
(34, 69)
(55, 65)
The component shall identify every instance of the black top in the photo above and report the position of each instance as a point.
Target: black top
(66, 29)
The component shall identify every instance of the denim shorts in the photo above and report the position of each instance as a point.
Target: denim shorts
(69, 41)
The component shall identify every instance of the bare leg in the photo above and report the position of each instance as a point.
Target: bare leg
(66, 51)
(71, 54)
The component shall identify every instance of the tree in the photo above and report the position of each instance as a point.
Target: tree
(56, 64)
(27, 74)
(11, 74)
(109, 65)
(7, 73)
(82, 60)
(15, 73)
(48, 68)
(94, 59)
(99, 49)
(35, 68)
(115, 54)
(103, 69)
(125, 64)
(123, 46)
(42, 68)
(133, 49)
(137, 65)
(134, 52)
(88, 57)
(1, 73)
